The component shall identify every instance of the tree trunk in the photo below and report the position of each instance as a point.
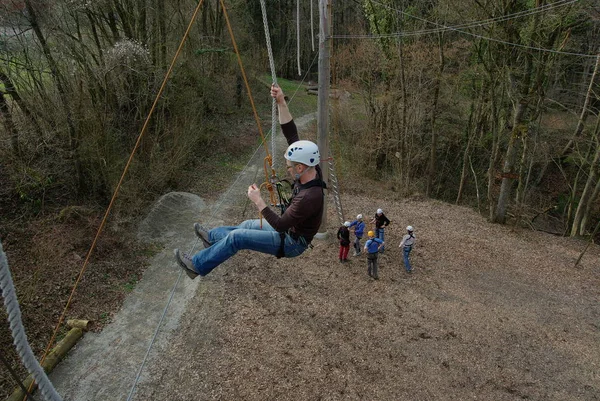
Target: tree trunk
(162, 33)
(62, 92)
(519, 130)
(585, 111)
(588, 209)
(11, 90)
(468, 136)
(495, 118)
(577, 228)
(9, 124)
(434, 133)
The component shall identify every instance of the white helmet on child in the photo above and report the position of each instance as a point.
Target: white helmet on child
(359, 217)
(379, 211)
(305, 152)
(347, 224)
(410, 228)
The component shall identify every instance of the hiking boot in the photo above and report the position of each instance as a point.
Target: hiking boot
(184, 260)
(202, 234)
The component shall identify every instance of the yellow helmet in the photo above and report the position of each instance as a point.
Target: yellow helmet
(371, 234)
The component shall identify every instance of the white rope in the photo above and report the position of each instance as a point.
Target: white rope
(273, 77)
(11, 304)
(298, 35)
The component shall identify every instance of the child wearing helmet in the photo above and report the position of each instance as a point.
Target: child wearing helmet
(343, 235)
(408, 241)
(372, 247)
(287, 235)
(359, 229)
(381, 221)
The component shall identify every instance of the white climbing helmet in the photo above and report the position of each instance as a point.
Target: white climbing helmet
(359, 217)
(410, 228)
(305, 152)
(347, 224)
(379, 211)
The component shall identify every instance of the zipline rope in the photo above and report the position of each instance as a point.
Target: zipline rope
(273, 78)
(11, 304)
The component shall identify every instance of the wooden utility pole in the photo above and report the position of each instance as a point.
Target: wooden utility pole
(323, 104)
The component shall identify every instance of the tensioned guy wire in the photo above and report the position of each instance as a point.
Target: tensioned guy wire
(471, 24)
(444, 28)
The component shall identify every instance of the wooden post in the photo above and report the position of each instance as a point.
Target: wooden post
(80, 324)
(323, 102)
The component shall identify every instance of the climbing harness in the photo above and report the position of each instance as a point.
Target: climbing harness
(284, 192)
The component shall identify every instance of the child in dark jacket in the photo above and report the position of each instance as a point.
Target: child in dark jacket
(343, 235)
(381, 221)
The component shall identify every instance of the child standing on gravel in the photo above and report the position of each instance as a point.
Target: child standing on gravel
(407, 244)
(372, 247)
(381, 221)
(359, 229)
(343, 235)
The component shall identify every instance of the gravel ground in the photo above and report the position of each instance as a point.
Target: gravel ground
(491, 312)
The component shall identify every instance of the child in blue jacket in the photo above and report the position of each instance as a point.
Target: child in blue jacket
(359, 229)
(372, 247)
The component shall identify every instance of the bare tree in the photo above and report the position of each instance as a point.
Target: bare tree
(589, 191)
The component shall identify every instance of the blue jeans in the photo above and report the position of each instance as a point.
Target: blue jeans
(406, 253)
(357, 244)
(379, 233)
(227, 241)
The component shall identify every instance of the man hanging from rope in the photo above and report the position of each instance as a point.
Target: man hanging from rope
(287, 235)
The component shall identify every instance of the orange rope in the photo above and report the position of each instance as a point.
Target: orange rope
(112, 201)
(258, 123)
